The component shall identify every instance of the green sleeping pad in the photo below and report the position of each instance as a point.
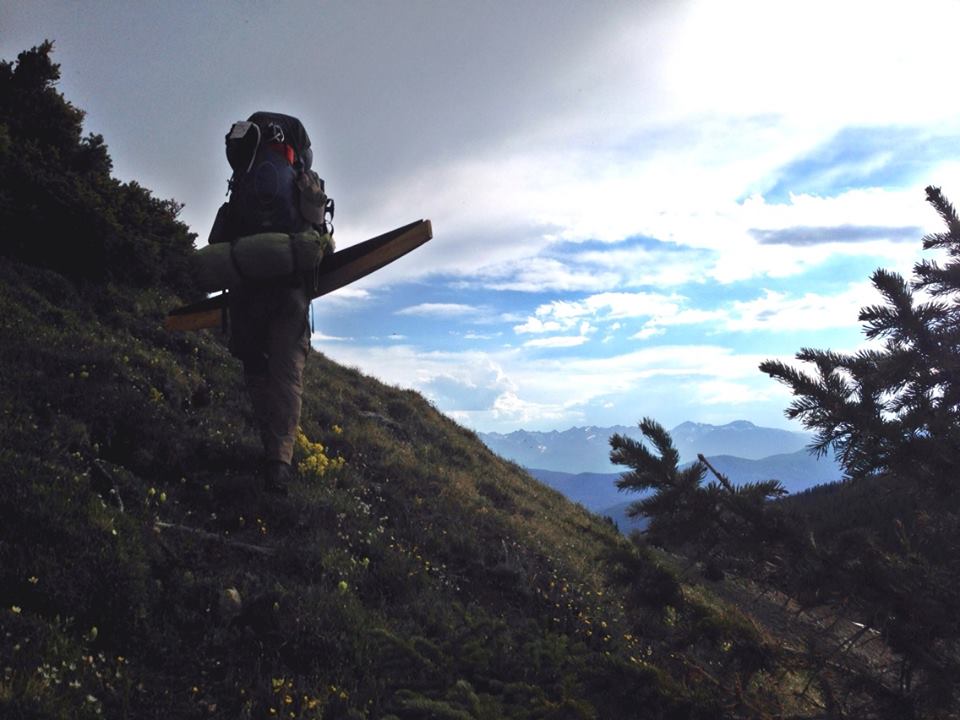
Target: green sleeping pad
(261, 259)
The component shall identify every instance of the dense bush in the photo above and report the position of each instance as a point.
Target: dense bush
(59, 205)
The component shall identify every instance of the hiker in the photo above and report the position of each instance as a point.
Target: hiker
(272, 189)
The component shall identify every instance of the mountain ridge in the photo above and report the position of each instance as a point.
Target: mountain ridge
(586, 449)
(597, 492)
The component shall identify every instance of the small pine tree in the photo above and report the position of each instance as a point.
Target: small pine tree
(896, 408)
(710, 518)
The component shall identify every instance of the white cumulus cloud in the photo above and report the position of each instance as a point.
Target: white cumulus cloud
(558, 341)
(781, 312)
(439, 310)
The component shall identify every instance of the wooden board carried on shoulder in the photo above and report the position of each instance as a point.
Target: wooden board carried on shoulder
(335, 271)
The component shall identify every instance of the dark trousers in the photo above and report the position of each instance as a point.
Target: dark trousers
(271, 335)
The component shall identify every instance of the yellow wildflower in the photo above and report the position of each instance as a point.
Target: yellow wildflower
(315, 463)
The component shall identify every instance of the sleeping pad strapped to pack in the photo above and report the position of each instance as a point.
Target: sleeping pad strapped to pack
(261, 259)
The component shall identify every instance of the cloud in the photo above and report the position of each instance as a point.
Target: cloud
(725, 392)
(543, 274)
(508, 388)
(781, 312)
(510, 407)
(559, 341)
(647, 333)
(478, 390)
(441, 310)
(893, 157)
(612, 306)
(319, 337)
(536, 325)
(568, 269)
(693, 200)
(722, 238)
(714, 60)
(661, 311)
(757, 238)
(350, 296)
(641, 266)
(455, 381)
(690, 316)
(775, 311)
(806, 235)
(658, 380)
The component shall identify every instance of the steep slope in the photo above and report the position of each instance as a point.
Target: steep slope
(411, 572)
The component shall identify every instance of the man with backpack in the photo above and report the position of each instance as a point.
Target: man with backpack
(272, 189)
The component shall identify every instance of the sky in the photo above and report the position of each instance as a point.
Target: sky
(634, 203)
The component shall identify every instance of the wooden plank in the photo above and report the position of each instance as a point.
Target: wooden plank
(360, 260)
(335, 271)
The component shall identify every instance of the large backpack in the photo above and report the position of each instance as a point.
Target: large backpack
(273, 188)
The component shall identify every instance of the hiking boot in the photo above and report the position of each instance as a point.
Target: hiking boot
(276, 475)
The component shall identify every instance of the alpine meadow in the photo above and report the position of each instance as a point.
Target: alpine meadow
(410, 573)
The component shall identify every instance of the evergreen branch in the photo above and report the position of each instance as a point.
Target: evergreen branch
(724, 480)
(878, 319)
(659, 436)
(649, 471)
(946, 211)
(762, 490)
(941, 280)
(895, 289)
(937, 240)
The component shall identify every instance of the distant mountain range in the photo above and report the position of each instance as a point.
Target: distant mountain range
(742, 451)
(598, 493)
(587, 449)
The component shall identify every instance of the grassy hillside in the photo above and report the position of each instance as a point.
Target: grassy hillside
(411, 572)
